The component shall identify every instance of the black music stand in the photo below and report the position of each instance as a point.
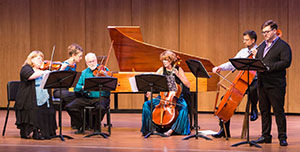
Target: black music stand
(100, 84)
(152, 83)
(198, 70)
(253, 65)
(60, 79)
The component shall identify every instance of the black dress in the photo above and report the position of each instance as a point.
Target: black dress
(29, 116)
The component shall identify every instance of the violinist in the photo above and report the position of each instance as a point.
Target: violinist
(34, 113)
(75, 53)
(88, 98)
(181, 125)
(249, 40)
(277, 55)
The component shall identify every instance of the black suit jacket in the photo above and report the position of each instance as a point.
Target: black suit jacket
(277, 59)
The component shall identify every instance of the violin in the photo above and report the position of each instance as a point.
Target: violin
(101, 71)
(165, 113)
(48, 65)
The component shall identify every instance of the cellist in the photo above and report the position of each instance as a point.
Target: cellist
(181, 125)
(249, 40)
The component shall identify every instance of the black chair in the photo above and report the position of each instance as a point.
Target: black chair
(90, 117)
(12, 89)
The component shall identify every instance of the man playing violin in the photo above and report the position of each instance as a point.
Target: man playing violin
(181, 125)
(88, 98)
(249, 40)
(277, 56)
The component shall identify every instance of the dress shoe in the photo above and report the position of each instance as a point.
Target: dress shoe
(79, 131)
(220, 134)
(254, 115)
(283, 142)
(263, 139)
(38, 138)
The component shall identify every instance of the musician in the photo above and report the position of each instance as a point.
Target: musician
(249, 40)
(181, 125)
(75, 53)
(277, 55)
(34, 113)
(88, 98)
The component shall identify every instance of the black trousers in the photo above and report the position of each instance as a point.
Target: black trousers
(75, 109)
(66, 96)
(272, 97)
(253, 94)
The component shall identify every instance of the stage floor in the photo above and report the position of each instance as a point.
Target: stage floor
(127, 137)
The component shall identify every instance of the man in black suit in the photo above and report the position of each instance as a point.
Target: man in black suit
(277, 56)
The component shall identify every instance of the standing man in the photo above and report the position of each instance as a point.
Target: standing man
(277, 56)
(249, 40)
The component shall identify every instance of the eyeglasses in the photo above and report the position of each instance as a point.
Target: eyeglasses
(266, 32)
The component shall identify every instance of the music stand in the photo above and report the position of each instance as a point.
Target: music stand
(152, 83)
(100, 84)
(60, 79)
(198, 70)
(253, 65)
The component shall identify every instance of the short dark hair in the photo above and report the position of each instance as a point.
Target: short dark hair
(251, 34)
(270, 23)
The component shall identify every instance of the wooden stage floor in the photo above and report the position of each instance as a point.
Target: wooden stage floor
(127, 137)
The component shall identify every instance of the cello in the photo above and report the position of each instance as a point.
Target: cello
(235, 92)
(165, 113)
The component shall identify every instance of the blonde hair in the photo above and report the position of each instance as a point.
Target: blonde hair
(74, 49)
(169, 55)
(32, 55)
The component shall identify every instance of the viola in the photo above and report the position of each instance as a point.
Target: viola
(101, 71)
(52, 66)
(165, 113)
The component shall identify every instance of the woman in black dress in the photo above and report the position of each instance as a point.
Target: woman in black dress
(34, 112)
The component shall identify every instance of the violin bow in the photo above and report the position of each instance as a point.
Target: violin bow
(53, 50)
(110, 48)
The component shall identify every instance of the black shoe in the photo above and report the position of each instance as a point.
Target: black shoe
(263, 139)
(220, 134)
(79, 131)
(254, 115)
(283, 142)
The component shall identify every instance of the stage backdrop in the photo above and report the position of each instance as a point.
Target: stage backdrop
(206, 28)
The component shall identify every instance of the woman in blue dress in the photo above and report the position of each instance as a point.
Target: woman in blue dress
(181, 125)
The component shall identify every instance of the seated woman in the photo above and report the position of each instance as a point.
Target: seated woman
(181, 125)
(75, 52)
(34, 113)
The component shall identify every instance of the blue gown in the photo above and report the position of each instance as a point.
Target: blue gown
(181, 125)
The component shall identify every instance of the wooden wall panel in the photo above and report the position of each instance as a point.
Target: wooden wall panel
(206, 28)
(209, 29)
(158, 21)
(60, 23)
(14, 41)
(99, 15)
(293, 72)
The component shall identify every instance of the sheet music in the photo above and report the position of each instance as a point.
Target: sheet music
(133, 85)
